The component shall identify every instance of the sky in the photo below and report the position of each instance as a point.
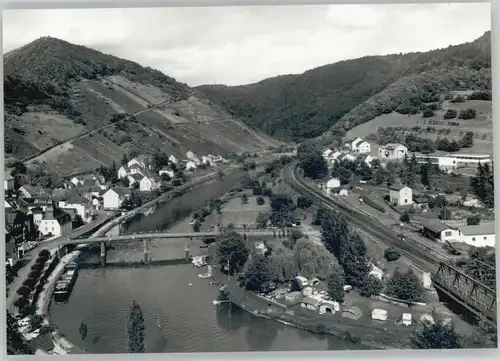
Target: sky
(242, 45)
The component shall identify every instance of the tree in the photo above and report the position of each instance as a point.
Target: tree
(371, 286)
(314, 165)
(260, 200)
(483, 185)
(450, 114)
(124, 160)
(427, 113)
(405, 217)
(335, 287)
(436, 336)
(244, 199)
(405, 286)
(15, 342)
(467, 114)
(473, 220)
(314, 260)
(196, 226)
(136, 329)
(304, 202)
(391, 254)
(262, 219)
(467, 140)
(232, 252)
(257, 272)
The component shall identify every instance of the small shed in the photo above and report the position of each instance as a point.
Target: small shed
(379, 314)
(293, 296)
(406, 319)
(353, 313)
(310, 303)
(343, 193)
(329, 307)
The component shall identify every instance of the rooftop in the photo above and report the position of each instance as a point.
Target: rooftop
(437, 226)
(482, 229)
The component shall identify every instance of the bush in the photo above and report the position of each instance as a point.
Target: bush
(473, 220)
(260, 201)
(390, 254)
(450, 114)
(405, 286)
(481, 95)
(458, 99)
(371, 286)
(34, 274)
(21, 302)
(30, 283)
(428, 113)
(23, 291)
(468, 113)
(304, 202)
(37, 267)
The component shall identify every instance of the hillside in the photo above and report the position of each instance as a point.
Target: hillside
(305, 106)
(72, 109)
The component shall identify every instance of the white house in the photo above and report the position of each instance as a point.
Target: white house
(333, 183)
(147, 184)
(392, 151)
(481, 235)
(347, 157)
(326, 154)
(76, 181)
(215, 158)
(311, 303)
(76, 202)
(190, 165)
(360, 146)
(8, 181)
(55, 222)
(367, 159)
(140, 160)
(400, 195)
(440, 231)
(135, 169)
(193, 157)
(173, 159)
(168, 171)
(134, 178)
(206, 160)
(122, 172)
(114, 197)
(444, 162)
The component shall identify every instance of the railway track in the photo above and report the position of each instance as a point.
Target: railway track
(423, 258)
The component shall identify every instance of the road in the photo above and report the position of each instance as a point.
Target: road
(422, 257)
(22, 273)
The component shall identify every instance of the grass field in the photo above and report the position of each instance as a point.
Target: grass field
(481, 126)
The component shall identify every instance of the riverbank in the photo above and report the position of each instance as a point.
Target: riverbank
(369, 333)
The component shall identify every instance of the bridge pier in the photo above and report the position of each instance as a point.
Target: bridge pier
(187, 251)
(103, 254)
(145, 243)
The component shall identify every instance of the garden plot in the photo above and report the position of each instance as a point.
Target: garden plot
(46, 129)
(149, 94)
(101, 149)
(124, 99)
(237, 213)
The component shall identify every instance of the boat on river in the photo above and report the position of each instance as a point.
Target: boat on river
(65, 283)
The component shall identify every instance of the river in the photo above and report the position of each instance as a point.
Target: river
(174, 295)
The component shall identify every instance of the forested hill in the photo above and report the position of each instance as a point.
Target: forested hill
(305, 106)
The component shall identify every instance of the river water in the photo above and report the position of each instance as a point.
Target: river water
(175, 298)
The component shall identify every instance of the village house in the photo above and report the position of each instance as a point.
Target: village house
(172, 159)
(135, 169)
(481, 235)
(367, 160)
(215, 158)
(326, 154)
(148, 184)
(360, 146)
(8, 181)
(20, 225)
(440, 231)
(73, 200)
(400, 195)
(38, 213)
(140, 160)
(332, 184)
(29, 191)
(193, 157)
(346, 157)
(168, 171)
(190, 165)
(206, 160)
(114, 197)
(55, 222)
(134, 178)
(123, 172)
(392, 151)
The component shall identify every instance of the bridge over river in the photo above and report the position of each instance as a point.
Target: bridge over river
(165, 236)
